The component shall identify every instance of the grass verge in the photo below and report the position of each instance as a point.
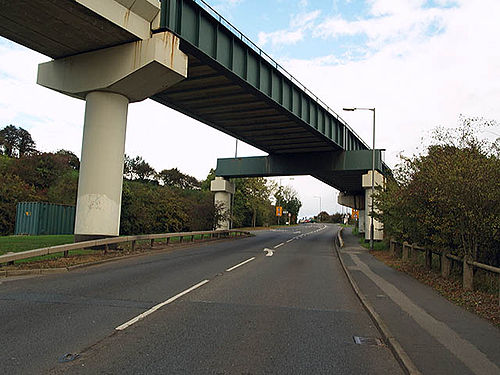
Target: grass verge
(23, 243)
(78, 257)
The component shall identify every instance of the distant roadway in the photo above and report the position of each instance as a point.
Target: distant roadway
(228, 307)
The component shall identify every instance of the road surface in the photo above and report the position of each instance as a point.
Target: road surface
(276, 303)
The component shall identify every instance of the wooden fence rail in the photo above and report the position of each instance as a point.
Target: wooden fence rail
(408, 252)
(8, 258)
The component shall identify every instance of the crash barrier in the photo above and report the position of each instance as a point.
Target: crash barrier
(106, 242)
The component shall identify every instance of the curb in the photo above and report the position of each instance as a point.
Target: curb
(44, 271)
(397, 350)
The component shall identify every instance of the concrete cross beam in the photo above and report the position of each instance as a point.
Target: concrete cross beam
(136, 70)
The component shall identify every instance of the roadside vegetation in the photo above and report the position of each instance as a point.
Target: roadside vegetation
(152, 202)
(448, 199)
(22, 243)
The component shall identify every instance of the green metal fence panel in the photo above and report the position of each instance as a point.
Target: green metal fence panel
(39, 218)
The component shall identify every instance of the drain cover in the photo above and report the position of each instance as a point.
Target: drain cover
(367, 341)
(68, 357)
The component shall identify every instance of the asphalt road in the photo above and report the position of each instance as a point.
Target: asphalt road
(290, 313)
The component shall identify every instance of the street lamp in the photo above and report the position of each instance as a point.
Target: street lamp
(373, 168)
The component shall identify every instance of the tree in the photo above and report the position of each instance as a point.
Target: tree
(449, 197)
(16, 142)
(70, 159)
(251, 204)
(288, 199)
(12, 190)
(205, 184)
(137, 169)
(174, 178)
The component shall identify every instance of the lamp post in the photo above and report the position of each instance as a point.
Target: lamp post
(373, 168)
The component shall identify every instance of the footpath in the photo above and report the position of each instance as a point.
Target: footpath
(428, 334)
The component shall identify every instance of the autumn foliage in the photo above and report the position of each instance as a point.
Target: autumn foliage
(448, 198)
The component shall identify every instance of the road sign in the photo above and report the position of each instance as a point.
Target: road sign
(355, 214)
(279, 211)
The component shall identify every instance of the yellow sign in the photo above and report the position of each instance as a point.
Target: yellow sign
(279, 211)
(355, 214)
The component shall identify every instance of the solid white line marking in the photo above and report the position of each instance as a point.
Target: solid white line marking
(160, 305)
(281, 244)
(240, 264)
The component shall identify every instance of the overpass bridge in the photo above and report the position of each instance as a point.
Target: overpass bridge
(183, 54)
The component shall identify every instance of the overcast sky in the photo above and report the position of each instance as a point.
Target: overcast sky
(421, 63)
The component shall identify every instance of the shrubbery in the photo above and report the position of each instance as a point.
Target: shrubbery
(449, 197)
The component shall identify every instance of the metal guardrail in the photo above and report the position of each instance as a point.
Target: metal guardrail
(6, 258)
(217, 16)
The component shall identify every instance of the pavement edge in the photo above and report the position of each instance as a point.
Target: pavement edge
(397, 350)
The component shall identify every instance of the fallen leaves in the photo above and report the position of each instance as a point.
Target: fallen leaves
(480, 303)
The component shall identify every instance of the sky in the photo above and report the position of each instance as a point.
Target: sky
(420, 63)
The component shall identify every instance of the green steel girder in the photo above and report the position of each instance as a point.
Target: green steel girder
(340, 169)
(206, 37)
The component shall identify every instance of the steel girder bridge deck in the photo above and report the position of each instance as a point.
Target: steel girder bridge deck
(232, 85)
(237, 88)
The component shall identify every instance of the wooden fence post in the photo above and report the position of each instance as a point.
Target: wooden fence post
(133, 245)
(168, 240)
(152, 242)
(445, 265)
(406, 251)
(428, 259)
(413, 253)
(468, 275)
(392, 246)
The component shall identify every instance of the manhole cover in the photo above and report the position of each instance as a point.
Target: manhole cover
(68, 357)
(367, 341)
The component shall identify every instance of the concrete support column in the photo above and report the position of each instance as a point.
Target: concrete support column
(101, 172)
(109, 79)
(362, 221)
(223, 196)
(378, 229)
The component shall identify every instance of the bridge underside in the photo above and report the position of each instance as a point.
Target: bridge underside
(214, 96)
(59, 28)
(342, 170)
(217, 76)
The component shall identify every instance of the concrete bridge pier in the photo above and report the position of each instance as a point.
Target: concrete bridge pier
(378, 228)
(361, 222)
(101, 172)
(109, 79)
(223, 198)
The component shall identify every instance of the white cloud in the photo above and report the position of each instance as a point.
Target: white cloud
(416, 83)
(388, 26)
(299, 25)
